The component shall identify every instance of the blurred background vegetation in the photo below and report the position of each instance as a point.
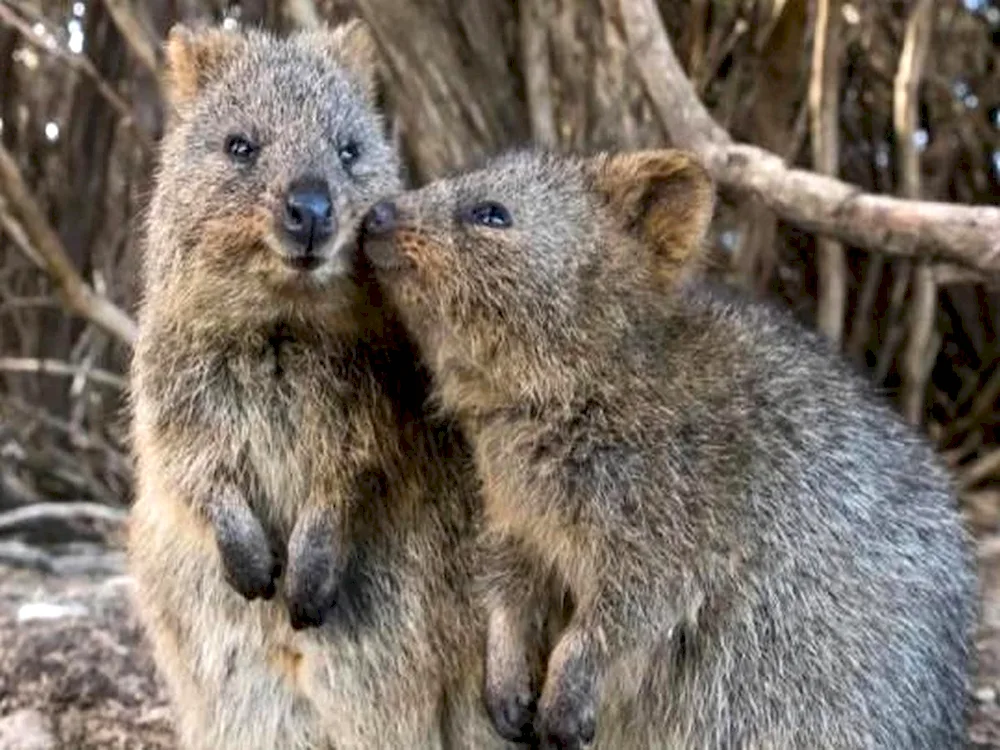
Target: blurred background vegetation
(893, 97)
(820, 83)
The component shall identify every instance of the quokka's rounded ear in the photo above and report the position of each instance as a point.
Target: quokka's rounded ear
(197, 57)
(352, 45)
(666, 197)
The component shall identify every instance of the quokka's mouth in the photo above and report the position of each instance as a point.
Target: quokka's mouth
(318, 263)
(305, 262)
(304, 257)
(379, 240)
(384, 254)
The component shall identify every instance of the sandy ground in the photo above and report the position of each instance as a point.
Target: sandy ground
(75, 673)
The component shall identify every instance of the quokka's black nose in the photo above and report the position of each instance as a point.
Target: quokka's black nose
(381, 219)
(308, 216)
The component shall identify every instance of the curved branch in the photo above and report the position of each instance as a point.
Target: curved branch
(143, 44)
(918, 354)
(969, 235)
(48, 249)
(60, 511)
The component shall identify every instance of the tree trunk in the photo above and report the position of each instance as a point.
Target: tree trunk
(451, 72)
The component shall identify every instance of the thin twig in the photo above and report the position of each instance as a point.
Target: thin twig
(981, 406)
(824, 121)
(895, 327)
(12, 227)
(861, 320)
(27, 303)
(923, 315)
(980, 469)
(57, 367)
(99, 560)
(946, 274)
(971, 443)
(923, 310)
(61, 511)
(698, 20)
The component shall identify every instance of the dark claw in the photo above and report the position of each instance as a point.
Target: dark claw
(574, 736)
(513, 714)
(248, 563)
(308, 614)
(249, 582)
(313, 576)
(567, 725)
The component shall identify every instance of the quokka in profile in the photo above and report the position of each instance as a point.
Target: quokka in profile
(302, 532)
(756, 552)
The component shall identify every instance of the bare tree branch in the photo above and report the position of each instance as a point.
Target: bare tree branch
(67, 511)
(824, 120)
(144, 46)
(76, 293)
(982, 468)
(965, 234)
(906, 86)
(95, 560)
(916, 360)
(861, 320)
(56, 367)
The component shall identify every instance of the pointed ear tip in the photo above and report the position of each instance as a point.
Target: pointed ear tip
(362, 38)
(179, 33)
(693, 169)
(354, 24)
(177, 48)
(351, 31)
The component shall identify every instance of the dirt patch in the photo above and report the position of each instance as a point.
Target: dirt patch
(75, 673)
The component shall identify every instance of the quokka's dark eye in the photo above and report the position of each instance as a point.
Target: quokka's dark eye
(241, 149)
(349, 153)
(490, 214)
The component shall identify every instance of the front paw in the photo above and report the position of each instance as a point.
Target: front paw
(248, 563)
(513, 673)
(314, 568)
(566, 723)
(567, 710)
(512, 711)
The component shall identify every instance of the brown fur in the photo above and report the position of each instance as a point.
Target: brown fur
(755, 551)
(283, 453)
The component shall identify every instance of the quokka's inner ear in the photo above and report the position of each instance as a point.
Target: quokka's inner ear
(195, 58)
(352, 45)
(665, 197)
